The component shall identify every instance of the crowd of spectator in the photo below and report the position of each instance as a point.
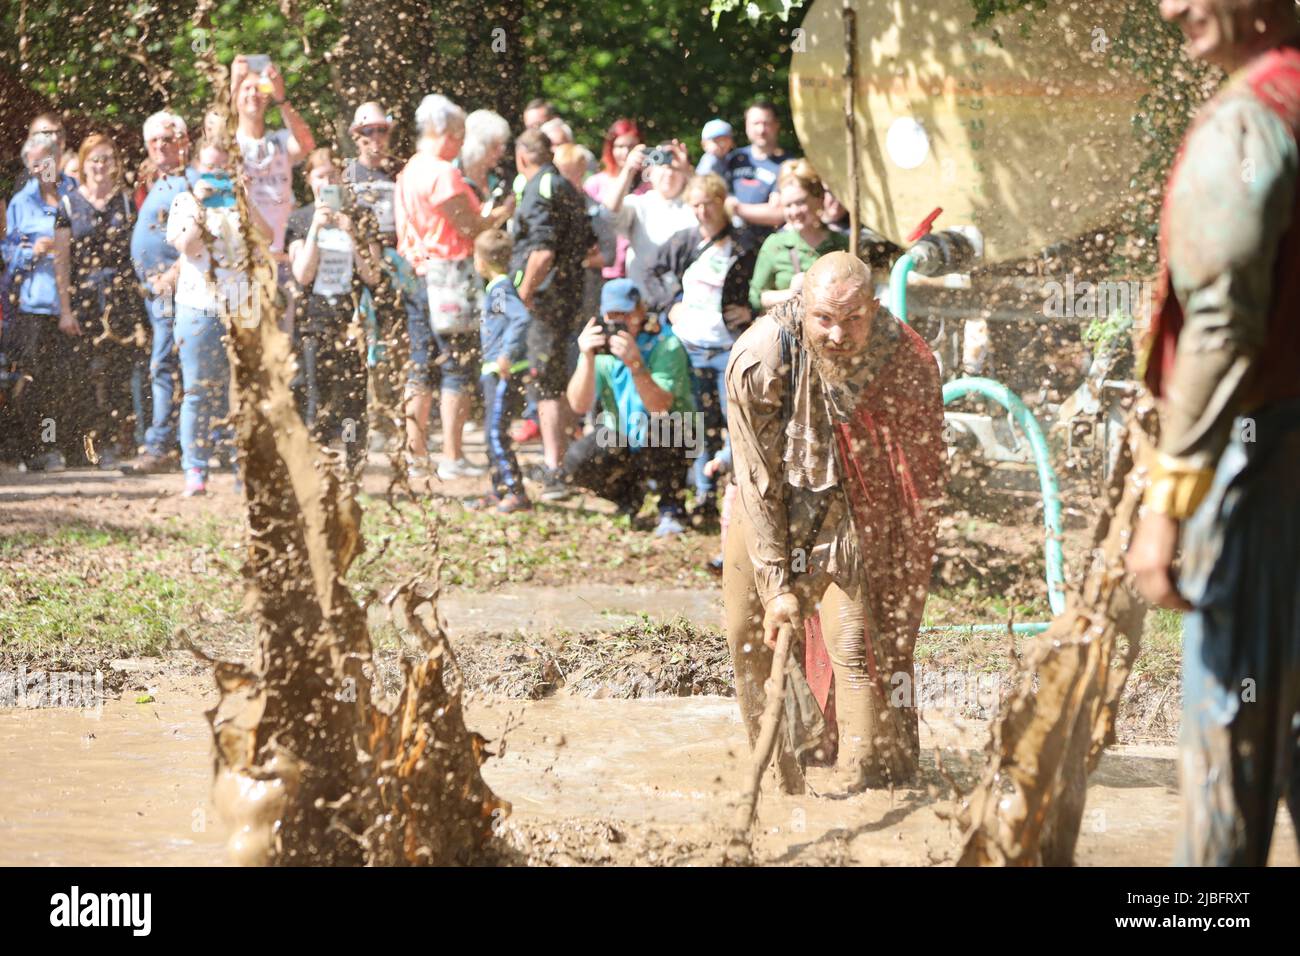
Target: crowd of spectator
(581, 298)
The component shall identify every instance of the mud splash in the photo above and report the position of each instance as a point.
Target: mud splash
(308, 770)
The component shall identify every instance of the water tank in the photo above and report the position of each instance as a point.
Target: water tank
(1029, 136)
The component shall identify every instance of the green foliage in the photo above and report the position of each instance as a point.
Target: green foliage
(657, 61)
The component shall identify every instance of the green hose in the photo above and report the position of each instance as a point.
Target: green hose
(898, 285)
(988, 388)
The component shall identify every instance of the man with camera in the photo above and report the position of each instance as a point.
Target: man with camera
(643, 382)
(835, 414)
(648, 220)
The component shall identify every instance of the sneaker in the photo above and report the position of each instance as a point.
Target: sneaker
(523, 432)
(145, 464)
(108, 460)
(669, 526)
(483, 503)
(460, 468)
(54, 461)
(715, 566)
(554, 487)
(512, 503)
(195, 484)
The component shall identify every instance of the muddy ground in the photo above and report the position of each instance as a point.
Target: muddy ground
(593, 660)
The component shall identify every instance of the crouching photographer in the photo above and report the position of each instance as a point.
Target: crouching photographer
(647, 431)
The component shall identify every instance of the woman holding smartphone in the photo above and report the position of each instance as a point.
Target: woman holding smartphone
(329, 265)
(211, 289)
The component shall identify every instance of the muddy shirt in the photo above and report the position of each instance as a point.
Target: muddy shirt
(781, 419)
(1229, 206)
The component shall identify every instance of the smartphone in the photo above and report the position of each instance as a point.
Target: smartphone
(257, 62)
(332, 196)
(224, 190)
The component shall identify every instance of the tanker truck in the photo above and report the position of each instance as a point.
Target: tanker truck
(1020, 140)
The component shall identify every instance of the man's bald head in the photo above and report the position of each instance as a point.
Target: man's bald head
(838, 280)
(836, 268)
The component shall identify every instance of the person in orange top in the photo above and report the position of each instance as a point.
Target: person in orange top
(437, 215)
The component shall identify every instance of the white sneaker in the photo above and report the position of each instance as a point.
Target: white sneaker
(460, 468)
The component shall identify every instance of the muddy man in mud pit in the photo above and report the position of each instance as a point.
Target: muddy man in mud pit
(1225, 363)
(835, 419)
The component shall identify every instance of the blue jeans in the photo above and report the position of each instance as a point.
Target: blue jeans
(709, 383)
(205, 374)
(163, 368)
(449, 360)
(502, 399)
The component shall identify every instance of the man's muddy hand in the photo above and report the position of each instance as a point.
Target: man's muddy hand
(782, 609)
(1151, 558)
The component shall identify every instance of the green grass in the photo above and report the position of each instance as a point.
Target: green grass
(90, 593)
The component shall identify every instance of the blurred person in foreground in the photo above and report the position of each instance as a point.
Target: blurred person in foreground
(1224, 363)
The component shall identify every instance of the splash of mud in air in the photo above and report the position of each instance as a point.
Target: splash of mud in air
(1027, 808)
(309, 770)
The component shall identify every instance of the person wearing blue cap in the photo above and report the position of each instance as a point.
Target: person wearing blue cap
(648, 429)
(717, 139)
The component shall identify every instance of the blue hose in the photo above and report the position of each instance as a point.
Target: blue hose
(1054, 556)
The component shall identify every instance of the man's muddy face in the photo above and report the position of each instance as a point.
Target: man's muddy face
(837, 326)
(1211, 28)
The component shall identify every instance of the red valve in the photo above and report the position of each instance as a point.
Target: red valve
(925, 225)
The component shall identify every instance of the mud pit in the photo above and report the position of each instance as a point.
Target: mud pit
(592, 781)
(593, 777)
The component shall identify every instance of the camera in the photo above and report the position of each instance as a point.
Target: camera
(609, 327)
(659, 156)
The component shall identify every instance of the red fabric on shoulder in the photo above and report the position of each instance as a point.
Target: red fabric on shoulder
(893, 455)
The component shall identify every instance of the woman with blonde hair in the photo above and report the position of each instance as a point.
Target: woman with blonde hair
(790, 251)
(111, 350)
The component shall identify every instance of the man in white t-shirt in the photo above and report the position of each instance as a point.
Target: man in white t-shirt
(269, 155)
(650, 219)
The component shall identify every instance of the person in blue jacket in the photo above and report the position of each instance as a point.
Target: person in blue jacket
(36, 260)
(156, 265)
(504, 337)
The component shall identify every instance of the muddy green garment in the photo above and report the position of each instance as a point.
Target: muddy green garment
(1227, 365)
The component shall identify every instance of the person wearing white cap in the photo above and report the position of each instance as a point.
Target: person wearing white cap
(718, 139)
(369, 174)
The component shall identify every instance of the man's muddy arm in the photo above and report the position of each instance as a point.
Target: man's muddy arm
(1229, 209)
(755, 426)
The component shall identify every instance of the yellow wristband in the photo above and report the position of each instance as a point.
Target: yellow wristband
(1176, 489)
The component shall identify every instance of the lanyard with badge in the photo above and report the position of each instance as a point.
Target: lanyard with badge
(334, 269)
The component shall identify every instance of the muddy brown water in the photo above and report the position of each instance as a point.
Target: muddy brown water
(130, 785)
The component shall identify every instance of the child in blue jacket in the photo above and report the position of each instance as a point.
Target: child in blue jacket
(505, 358)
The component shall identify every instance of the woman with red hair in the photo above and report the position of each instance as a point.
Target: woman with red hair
(620, 139)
